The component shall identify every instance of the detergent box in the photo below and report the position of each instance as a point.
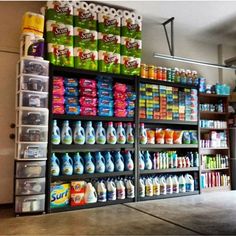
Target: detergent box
(77, 193)
(60, 195)
(109, 62)
(109, 24)
(85, 38)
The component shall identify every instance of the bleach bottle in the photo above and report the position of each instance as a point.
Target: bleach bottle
(189, 183)
(78, 164)
(99, 163)
(120, 188)
(156, 186)
(182, 184)
(109, 163)
(100, 134)
(141, 161)
(147, 160)
(56, 139)
(111, 190)
(169, 185)
(79, 135)
(101, 192)
(129, 164)
(175, 184)
(163, 185)
(111, 134)
(67, 165)
(66, 134)
(89, 133)
(119, 162)
(149, 187)
(90, 195)
(141, 188)
(55, 165)
(88, 163)
(129, 189)
(143, 134)
(129, 134)
(120, 134)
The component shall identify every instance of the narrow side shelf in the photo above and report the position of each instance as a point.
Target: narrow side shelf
(172, 122)
(167, 146)
(214, 169)
(173, 170)
(213, 189)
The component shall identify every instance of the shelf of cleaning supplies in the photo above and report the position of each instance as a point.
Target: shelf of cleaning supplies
(167, 146)
(168, 196)
(93, 118)
(90, 147)
(173, 170)
(213, 189)
(90, 176)
(214, 169)
(209, 129)
(213, 113)
(169, 122)
(210, 95)
(92, 205)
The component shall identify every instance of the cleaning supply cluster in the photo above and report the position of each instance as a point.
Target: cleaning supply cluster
(78, 193)
(219, 107)
(86, 134)
(87, 163)
(167, 136)
(167, 160)
(214, 162)
(214, 179)
(167, 103)
(214, 139)
(166, 184)
(217, 124)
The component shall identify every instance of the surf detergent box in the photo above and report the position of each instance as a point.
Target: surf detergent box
(60, 195)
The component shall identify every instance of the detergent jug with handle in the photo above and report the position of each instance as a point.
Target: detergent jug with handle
(129, 189)
(67, 165)
(89, 163)
(148, 187)
(143, 134)
(175, 184)
(189, 183)
(101, 192)
(156, 186)
(119, 162)
(163, 185)
(66, 134)
(169, 185)
(111, 134)
(100, 134)
(89, 133)
(129, 164)
(147, 160)
(141, 188)
(120, 188)
(129, 134)
(99, 163)
(79, 135)
(141, 161)
(90, 195)
(109, 163)
(78, 164)
(56, 138)
(55, 165)
(111, 190)
(120, 134)
(182, 184)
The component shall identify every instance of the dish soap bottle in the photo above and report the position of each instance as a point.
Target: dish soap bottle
(56, 139)
(66, 134)
(89, 133)
(143, 134)
(79, 135)
(120, 134)
(111, 134)
(129, 134)
(100, 134)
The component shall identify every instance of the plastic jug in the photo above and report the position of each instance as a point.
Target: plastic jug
(129, 189)
(100, 134)
(99, 163)
(163, 185)
(111, 190)
(78, 164)
(148, 187)
(89, 133)
(56, 138)
(101, 192)
(67, 165)
(129, 134)
(189, 183)
(119, 162)
(109, 163)
(156, 186)
(129, 164)
(143, 134)
(147, 160)
(66, 134)
(141, 188)
(141, 161)
(169, 185)
(120, 134)
(90, 195)
(111, 134)
(79, 135)
(55, 165)
(182, 184)
(175, 184)
(120, 188)
(89, 163)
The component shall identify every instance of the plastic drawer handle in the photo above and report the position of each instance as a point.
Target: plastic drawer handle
(31, 200)
(33, 113)
(36, 130)
(31, 165)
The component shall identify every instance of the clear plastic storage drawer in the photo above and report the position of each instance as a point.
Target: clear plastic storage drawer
(33, 83)
(32, 99)
(34, 203)
(31, 151)
(30, 169)
(33, 134)
(33, 66)
(30, 186)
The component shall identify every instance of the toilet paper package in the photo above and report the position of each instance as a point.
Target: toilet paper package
(109, 42)
(109, 24)
(85, 59)
(109, 62)
(131, 47)
(130, 65)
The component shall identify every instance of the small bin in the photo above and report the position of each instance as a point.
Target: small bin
(34, 203)
(30, 169)
(33, 134)
(33, 67)
(33, 83)
(30, 186)
(31, 151)
(32, 99)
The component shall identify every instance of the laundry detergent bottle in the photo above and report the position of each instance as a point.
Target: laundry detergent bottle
(67, 165)
(147, 160)
(169, 185)
(79, 135)
(99, 163)
(119, 162)
(78, 164)
(129, 134)
(129, 189)
(175, 184)
(109, 162)
(111, 190)
(89, 163)
(156, 186)
(120, 188)
(143, 134)
(55, 165)
(90, 195)
(56, 137)
(66, 134)
(120, 134)
(162, 185)
(111, 134)
(141, 161)
(89, 133)
(101, 192)
(182, 184)
(148, 187)
(189, 183)
(100, 134)
(129, 164)
(141, 188)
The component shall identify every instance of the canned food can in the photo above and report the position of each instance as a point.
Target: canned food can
(151, 71)
(144, 70)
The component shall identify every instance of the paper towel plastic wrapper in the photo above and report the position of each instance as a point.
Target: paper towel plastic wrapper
(85, 59)
(109, 24)
(98, 8)
(59, 33)
(84, 17)
(105, 10)
(131, 47)
(130, 65)
(120, 13)
(113, 12)
(60, 55)
(86, 39)
(109, 42)
(60, 11)
(109, 62)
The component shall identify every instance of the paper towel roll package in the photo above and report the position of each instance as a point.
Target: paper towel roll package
(109, 24)
(109, 42)
(130, 65)
(131, 47)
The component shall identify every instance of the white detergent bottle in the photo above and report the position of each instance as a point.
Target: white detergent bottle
(169, 185)
(189, 183)
(100, 134)
(129, 189)
(120, 134)
(175, 184)
(129, 134)
(66, 134)
(156, 186)
(143, 134)
(111, 134)
(182, 184)
(111, 190)
(90, 195)
(120, 188)
(79, 135)
(141, 188)
(56, 137)
(149, 187)
(101, 191)
(89, 133)
(163, 185)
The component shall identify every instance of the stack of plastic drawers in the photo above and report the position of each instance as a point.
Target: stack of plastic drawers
(31, 135)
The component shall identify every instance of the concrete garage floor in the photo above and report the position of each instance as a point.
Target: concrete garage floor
(210, 213)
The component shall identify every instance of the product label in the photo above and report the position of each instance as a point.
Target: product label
(60, 195)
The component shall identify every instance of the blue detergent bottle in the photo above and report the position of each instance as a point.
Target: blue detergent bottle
(66, 134)
(79, 135)
(89, 133)
(141, 161)
(99, 163)
(67, 165)
(109, 162)
(55, 165)
(129, 164)
(89, 163)
(147, 160)
(119, 162)
(56, 139)
(100, 134)
(78, 164)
